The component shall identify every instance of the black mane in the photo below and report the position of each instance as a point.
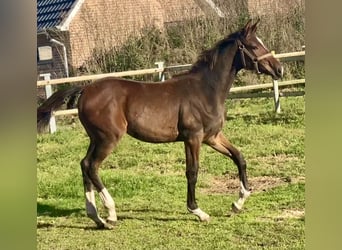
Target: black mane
(208, 57)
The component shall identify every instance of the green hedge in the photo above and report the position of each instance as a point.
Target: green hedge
(181, 43)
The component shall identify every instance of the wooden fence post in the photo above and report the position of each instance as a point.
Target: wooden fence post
(276, 93)
(48, 92)
(276, 96)
(161, 74)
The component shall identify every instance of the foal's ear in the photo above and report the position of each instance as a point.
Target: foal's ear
(254, 26)
(249, 27)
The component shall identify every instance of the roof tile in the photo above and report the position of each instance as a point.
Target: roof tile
(51, 12)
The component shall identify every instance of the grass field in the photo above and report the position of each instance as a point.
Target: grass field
(148, 184)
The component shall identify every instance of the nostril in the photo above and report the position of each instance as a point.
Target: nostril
(280, 71)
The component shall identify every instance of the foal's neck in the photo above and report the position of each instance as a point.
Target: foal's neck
(223, 73)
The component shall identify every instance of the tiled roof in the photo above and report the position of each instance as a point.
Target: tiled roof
(51, 13)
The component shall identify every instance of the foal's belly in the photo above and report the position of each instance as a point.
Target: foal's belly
(153, 126)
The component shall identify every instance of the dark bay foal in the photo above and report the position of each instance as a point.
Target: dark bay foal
(189, 108)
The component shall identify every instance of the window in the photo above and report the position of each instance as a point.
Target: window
(45, 54)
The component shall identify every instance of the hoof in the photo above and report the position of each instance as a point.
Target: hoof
(236, 208)
(204, 217)
(109, 225)
(112, 222)
(100, 225)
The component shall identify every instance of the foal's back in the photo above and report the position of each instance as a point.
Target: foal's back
(146, 111)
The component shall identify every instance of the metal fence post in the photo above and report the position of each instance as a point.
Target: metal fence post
(161, 74)
(48, 92)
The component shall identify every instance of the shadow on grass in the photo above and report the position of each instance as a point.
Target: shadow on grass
(53, 211)
(145, 214)
(157, 218)
(46, 225)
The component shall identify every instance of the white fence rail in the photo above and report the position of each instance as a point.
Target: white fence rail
(161, 70)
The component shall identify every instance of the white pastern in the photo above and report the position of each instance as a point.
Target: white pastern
(90, 203)
(243, 195)
(91, 208)
(202, 215)
(108, 202)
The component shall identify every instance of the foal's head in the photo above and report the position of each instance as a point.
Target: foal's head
(253, 54)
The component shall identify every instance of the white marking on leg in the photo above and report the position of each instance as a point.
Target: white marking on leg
(202, 215)
(243, 195)
(90, 204)
(108, 202)
(91, 208)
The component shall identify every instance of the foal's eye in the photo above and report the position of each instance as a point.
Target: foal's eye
(253, 46)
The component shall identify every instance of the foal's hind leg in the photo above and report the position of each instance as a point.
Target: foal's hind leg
(90, 164)
(89, 188)
(222, 145)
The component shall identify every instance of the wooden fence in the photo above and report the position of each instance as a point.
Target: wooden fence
(161, 70)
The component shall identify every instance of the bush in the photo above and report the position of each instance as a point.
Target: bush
(181, 43)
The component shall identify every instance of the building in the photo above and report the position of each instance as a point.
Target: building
(68, 31)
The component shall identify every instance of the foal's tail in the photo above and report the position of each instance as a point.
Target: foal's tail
(55, 101)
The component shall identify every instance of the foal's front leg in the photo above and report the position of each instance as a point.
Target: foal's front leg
(192, 148)
(222, 145)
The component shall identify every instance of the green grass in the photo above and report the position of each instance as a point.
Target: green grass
(148, 184)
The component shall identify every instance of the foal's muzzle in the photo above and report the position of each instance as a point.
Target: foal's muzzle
(280, 71)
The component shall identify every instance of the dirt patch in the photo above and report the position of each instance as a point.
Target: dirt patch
(231, 185)
(298, 214)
